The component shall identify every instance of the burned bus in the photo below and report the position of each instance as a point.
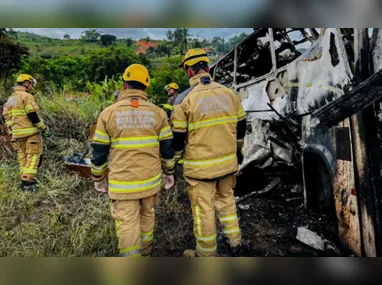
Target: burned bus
(313, 101)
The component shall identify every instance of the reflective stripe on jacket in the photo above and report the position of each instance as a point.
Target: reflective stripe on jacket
(16, 111)
(209, 115)
(137, 138)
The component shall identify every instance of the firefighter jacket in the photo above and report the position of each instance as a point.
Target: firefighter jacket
(207, 125)
(134, 139)
(21, 114)
(168, 106)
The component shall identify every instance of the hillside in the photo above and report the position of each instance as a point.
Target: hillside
(48, 47)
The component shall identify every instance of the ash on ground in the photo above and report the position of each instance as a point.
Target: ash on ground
(269, 225)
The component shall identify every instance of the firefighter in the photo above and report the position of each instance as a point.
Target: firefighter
(172, 91)
(134, 140)
(25, 126)
(209, 127)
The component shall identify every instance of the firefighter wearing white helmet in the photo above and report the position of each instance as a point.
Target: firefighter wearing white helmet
(134, 141)
(25, 126)
(208, 126)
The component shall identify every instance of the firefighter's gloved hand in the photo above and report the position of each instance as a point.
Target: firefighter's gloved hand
(46, 134)
(101, 186)
(169, 181)
(240, 156)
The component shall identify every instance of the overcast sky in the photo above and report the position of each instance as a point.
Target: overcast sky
(137, 33)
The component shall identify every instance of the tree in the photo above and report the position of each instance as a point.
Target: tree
(205, 43)
(146, 39)
(108, 62)
(195, 43)
(185, 38)
(234, 41)
(11, 55)
(91, 35)
(67, 37)
(164, 74)
(220, 47)
(170, 36)
(163, 50)
(3, 32)
(181, 38)
(129, 42)
(215, 42)
(107, 40)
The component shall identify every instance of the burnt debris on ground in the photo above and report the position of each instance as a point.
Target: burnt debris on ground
(269, 225)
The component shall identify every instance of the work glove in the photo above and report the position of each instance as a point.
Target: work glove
(46, 134)
(169, 181)
(101, 186)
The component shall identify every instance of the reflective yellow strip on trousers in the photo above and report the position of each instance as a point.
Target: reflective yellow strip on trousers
(231, 231)
(207, 250)
(136, 186)
(27, 131)
(147, 237)
(131, 251)
(198, 220)
(135, 142)
(31, 169)
(212, 122)
(210, 162)
(206, 238)
(228, 218)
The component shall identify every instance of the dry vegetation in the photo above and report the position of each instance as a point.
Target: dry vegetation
(67, 217)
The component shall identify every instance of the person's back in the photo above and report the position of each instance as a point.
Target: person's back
(17, 104)
(24, 124)
(134, 138)
(133, 126)
(208, 125)
(212, 112)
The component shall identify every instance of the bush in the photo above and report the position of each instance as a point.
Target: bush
(164, 74)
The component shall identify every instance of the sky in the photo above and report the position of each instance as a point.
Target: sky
(138, 33)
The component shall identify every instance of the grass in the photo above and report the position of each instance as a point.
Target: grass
(67, 217)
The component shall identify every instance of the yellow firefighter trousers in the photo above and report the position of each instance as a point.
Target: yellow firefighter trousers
(29, 151)
(205, 197)
(134, 221)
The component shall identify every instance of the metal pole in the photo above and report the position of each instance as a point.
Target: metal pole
(273, 52)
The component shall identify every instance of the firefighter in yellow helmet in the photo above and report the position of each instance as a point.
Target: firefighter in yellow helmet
(25, 126)
(208, 126)
(134, 139)
(172, 91)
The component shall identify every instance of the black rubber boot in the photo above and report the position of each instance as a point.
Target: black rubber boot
(28, 186)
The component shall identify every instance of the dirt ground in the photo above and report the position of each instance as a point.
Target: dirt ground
(268, 222)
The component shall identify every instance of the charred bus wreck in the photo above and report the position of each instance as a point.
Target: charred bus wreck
(312, 100)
